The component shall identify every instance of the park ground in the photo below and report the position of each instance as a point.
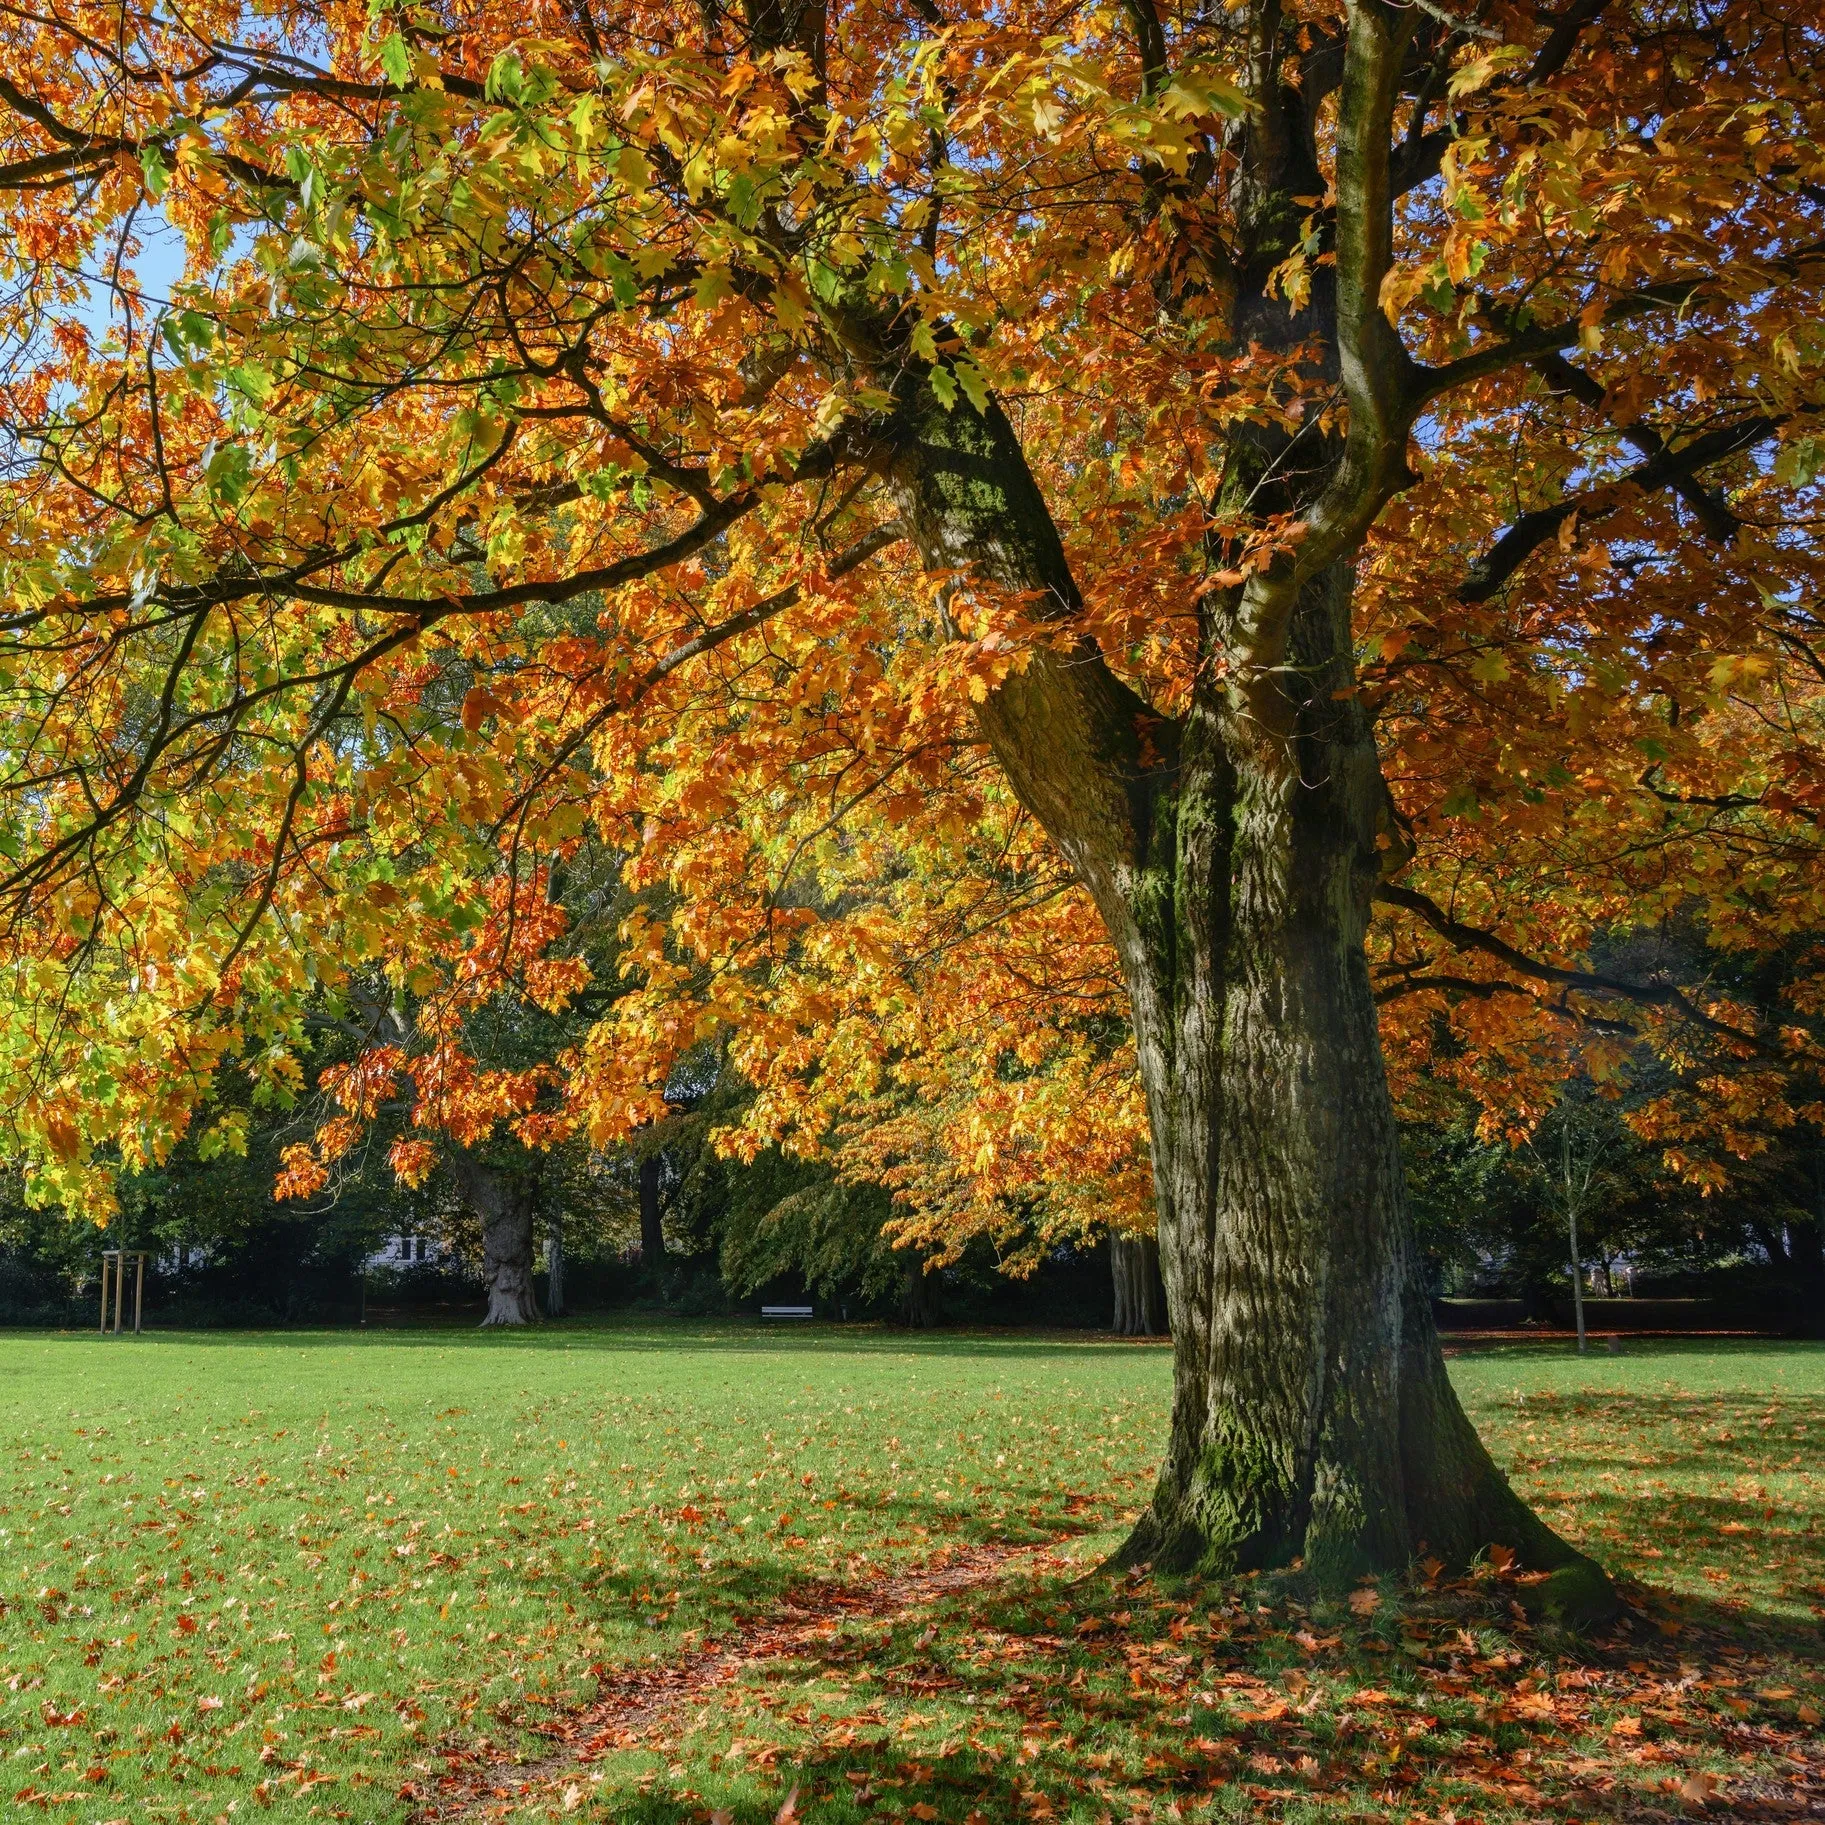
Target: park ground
(706, 1573)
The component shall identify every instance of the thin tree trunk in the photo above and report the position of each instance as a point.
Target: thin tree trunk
(554, 1269)
(652, 1226)
(918, 1302)
(503, 1201)
(1571, 1217)
(1140, 1296)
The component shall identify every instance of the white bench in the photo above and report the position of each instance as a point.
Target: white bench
(785, 1311)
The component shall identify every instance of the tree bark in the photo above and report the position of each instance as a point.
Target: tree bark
(652, 1225)
(554, 1269)
(1233, 856)
(1140, 1295)
(1232, 852)
(504, 1202)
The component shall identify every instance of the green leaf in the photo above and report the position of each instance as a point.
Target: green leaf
(506, 78)
(228, 472)
(396, 60)
(974, 383)
(944, 385)
(156, 172)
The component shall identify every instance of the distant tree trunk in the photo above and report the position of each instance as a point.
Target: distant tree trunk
(918, 1303)
(652, 1229)
(554, 1269)
(1800, 1252)
(1806, 1247)
(1140, 1295)
(503, 1201)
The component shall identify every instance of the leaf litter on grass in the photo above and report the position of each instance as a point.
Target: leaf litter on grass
(276, 1570)
(609, 1525)
(1044, 1695)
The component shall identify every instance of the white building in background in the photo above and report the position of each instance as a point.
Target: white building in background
(406, 1251)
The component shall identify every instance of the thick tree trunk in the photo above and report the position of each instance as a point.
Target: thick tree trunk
(1140, 1294)
(1233, 856)
(503, 1201)
(652, 1225)
(1312, 1419)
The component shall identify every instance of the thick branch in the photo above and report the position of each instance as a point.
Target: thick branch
(1716, 518)
(1532, 530)
(1563, 39)
(1648, 994)
(1376, 371)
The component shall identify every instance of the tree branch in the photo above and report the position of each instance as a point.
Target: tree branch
(1532, 530)
(1648, 994)
(1716, 518)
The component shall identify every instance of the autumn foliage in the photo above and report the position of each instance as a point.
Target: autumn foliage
(470, 569)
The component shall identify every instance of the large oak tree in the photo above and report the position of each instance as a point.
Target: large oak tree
(1294, 443)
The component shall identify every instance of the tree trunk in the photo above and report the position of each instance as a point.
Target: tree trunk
(1805, 1252)
(652, 1226)
(918, 1301)
(503, 1201)
(1232, 851)
(1233, 856)
(1140, 1295)
(554, 1269)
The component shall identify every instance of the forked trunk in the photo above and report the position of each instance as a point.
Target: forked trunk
(1312, 1416)
(1140, 1294)
(1233, 855)
(504, 1203)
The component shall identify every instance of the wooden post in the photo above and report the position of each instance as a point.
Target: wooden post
(120, 1276)
(139, 1291)
(104, 1292)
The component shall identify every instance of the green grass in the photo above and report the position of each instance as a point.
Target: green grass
(288, 1576)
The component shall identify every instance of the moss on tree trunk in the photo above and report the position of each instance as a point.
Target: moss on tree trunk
(1233, 854)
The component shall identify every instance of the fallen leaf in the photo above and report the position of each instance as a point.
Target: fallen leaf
(789, 1811)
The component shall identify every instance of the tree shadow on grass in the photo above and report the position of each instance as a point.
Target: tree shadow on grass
(1060, 1697)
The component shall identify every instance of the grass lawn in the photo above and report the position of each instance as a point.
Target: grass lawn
(374, 1577)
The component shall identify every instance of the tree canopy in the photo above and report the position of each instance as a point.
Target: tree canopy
(1002, 530)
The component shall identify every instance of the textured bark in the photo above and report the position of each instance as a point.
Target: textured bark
(652, 1225)
(1232, 852)
(504, 1202)
(1233, 857)
(1140, 1294)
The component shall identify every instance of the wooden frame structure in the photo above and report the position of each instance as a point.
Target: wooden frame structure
(117, 1259)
